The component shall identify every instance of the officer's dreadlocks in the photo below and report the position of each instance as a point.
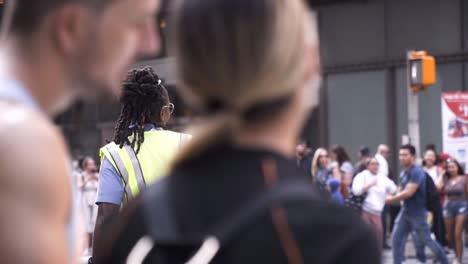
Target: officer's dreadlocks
(142, 100)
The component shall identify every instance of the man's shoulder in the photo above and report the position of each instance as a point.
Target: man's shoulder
(361, 174)
(416, 175)
(20, 125)
(35, 153)
(418, 171)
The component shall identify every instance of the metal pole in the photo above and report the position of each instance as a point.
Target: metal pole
(413, 120)
(413, 112)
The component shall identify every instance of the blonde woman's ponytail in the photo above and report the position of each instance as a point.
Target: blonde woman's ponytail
(217, 129)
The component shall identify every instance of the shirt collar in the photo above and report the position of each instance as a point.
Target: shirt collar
(150, 127)
(15, 91)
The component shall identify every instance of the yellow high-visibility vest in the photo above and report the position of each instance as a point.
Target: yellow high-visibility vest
(151, 163)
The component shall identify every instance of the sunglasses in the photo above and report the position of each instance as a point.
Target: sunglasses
(171, 107)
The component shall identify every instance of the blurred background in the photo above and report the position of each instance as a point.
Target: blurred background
(364, 95)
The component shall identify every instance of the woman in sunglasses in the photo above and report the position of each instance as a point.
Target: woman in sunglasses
(320, 168)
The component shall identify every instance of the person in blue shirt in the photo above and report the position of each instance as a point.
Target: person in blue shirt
(336, 195)
(413, 215)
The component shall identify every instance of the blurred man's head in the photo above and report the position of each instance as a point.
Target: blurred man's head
(363, 153)
(407, 155)
(92, 43)
(300, 150)
(383, 150)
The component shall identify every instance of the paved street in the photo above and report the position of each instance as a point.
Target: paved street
(411, 255)
(387, 256)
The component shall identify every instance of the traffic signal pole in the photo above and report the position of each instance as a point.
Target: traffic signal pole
(420, 74)
(413, 120)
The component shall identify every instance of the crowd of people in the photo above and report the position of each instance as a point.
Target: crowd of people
(233, 192)
(436, 184)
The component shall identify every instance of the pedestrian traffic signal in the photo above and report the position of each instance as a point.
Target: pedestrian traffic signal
(421, 70)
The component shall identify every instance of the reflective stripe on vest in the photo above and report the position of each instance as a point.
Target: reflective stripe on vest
(136, 167)
(149, 165)
(120, 166)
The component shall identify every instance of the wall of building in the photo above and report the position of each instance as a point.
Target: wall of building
(364, 102)
(363, 49)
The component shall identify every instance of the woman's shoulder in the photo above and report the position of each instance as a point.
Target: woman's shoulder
(363, 174)
(462, 178)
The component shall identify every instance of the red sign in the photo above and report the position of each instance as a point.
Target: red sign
(458, 104)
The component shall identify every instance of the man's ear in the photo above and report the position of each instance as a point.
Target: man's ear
(70, 26)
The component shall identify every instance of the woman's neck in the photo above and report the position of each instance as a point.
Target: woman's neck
(268, 136)
(271, 141)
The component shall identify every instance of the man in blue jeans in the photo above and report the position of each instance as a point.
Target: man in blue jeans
(413, 215)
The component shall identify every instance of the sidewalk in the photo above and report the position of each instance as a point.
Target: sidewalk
(411, 255)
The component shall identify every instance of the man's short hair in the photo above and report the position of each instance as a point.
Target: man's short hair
(364, 151)
(410, 148)
(28, 14)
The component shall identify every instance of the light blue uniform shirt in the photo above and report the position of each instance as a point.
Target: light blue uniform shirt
(111, 189)
(14, 91)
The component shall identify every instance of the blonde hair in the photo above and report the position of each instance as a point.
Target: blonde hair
(232, 56)
(315, 161)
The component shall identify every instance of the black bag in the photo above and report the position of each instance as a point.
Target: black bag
(432, 196)
(355, 202)
(166, 236)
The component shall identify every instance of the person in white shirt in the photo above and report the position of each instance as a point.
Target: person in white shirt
(429, 164)
(383, 151)
(376, 186)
